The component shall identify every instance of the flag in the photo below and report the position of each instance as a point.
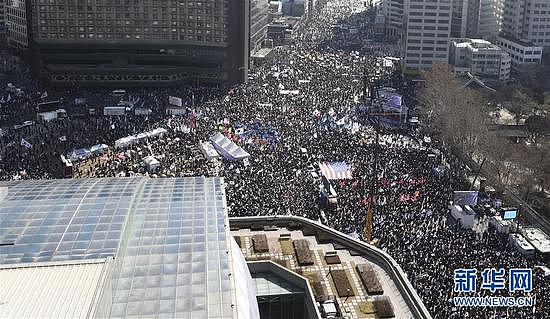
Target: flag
(335, 170)
(193, 120)
(368, 225)
(25, 143)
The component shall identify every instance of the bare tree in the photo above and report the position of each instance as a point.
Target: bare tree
(521, 105)
(459, 114)
(537, 127)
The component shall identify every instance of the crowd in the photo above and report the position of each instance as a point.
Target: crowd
(324, 66)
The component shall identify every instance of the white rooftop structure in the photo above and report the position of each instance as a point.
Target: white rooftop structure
(52, 289)
(169, 239)
(539, 239)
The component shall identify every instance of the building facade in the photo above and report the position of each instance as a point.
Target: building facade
(3, 29)
(480, 58)
(459, 18)
(428, 30)
(505, 66)
(259, 20)
(153, 42)
(521, 52)
(393, 11)
(485, 19)
(17, 24)
(527, 20)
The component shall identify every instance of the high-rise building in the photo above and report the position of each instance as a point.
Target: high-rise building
(428, 29)
(459, 18)
(17, 24)
(527, 20)
(259, 20)
(140, 42)
(490, 18)
(394, 14)
(3, 28)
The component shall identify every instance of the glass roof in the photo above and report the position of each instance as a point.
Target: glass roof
(269, 284)
(64, 219)
(168, 237)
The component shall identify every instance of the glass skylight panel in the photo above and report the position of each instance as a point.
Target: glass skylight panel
(67, 213)
(173, 261)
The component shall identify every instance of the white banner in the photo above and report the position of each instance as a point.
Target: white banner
(175, 101)
(25, 143)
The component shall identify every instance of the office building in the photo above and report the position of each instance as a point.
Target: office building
(480, 58)
(259, 20)
(393, 11)
(428, 29)
(141, 247)
(521, 52)
(151, 43)
(490, 18)
(380, 24)
(17, 24)
(484, 19)
(3, 29)
(527, 20)
(459, 18)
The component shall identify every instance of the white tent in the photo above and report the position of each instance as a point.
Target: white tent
(46, 116)
(125, 142)
(227, 148)
(158, 132)
(151, 163)
(209, 151)
(99, 148)
(142, 136)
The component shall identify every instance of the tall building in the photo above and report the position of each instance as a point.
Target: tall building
(428, 30)
(138, 43)
(459, 18)
(485, 19)
(17, 24)
(393, 11)
(165, 248)
(3, 29)
(259, 20)
(527, 20)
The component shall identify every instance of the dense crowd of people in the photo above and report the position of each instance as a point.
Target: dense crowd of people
(315, 78)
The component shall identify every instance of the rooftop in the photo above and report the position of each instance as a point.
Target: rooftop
(54, 284)
(537, 238)
(521, 42)
(168, 238)
(141, 247)
(337, 261)
(476, 44)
